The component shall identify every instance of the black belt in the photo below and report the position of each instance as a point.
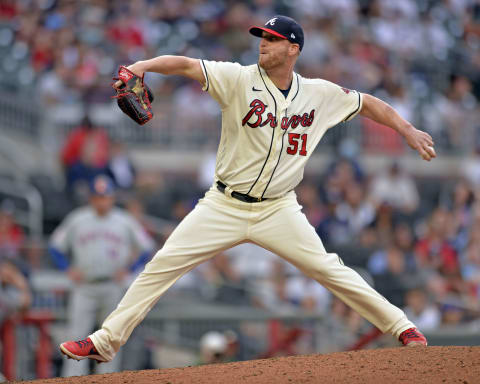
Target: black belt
(240, 196)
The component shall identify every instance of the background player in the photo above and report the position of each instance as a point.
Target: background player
(101, 239)
(272, 119)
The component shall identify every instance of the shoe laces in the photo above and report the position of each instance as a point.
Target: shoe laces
(85, 343)
(411, 333)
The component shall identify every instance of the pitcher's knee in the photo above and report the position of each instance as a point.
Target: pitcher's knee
(324, 266)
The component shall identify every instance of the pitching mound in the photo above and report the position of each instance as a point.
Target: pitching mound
(395, 365)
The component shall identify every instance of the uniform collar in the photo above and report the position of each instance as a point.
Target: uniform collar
(280, 99)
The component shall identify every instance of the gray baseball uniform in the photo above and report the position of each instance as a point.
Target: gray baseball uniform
(265, 143)
(100, 246)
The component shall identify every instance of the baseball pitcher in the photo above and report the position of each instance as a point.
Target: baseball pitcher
(272, 120)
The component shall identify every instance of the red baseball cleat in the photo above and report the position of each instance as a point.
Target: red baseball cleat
(412, 337)
(81, 349)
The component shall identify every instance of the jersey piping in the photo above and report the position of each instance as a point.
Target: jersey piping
(298, 87)
(206, 75)
(278, 161)
(273, 134)
(356, 110)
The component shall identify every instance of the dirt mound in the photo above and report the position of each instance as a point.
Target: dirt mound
(394, 365)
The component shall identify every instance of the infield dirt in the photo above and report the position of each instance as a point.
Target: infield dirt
(393, 365)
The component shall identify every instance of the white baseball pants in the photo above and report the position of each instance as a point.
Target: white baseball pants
(219, 222)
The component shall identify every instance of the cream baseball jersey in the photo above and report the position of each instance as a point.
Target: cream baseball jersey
(100, 245)
(266, 139)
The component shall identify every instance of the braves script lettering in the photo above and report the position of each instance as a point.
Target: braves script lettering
(257, 110)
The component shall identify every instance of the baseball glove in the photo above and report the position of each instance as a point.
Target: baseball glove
(133, 96)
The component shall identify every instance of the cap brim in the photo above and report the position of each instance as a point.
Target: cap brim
(257, 31)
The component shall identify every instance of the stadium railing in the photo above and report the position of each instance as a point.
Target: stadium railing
(28, 205)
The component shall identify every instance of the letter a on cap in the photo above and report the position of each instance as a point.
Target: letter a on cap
(271, 21)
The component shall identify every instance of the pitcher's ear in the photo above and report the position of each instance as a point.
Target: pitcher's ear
(294, 48)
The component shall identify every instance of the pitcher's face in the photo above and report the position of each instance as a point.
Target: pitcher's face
(273, 51)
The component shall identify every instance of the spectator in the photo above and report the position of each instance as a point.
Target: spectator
(462, 214)
(304, 294)
(343, 327)
(135, 208)
(334, 227)
(84, 154)
(15, 295)
(471, 167)
(355, 211)
(229, 286)
(14, 288)
(453, 312)
(180, 209)
(101, 239)
(340, 176)
(384, 224)
(394, 280)
(395, 188)
(470, 266)
(425, 314)
(454, 115)
(54, 87)
(331, 229)
(120, 167)
(251, 261)
(309, 199)
(271, 292)
(404, 240)
(12, 237)
(433, 251)
(34, 255)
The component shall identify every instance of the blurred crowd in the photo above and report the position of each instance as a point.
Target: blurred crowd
(417, 240)
(422, 56)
